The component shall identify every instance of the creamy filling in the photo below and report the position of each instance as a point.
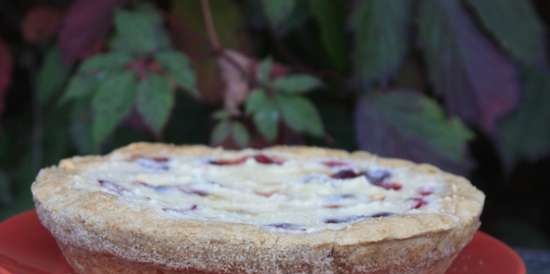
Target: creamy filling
(275, 191)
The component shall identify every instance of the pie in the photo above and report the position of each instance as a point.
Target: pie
(157, 208)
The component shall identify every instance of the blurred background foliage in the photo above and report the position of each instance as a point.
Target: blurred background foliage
(462, 84)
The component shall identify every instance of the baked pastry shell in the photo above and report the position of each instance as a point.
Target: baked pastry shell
(99, 233)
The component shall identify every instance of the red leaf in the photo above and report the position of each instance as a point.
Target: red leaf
(85, 27)
(6, 63)
(41, 23)
(479, 83)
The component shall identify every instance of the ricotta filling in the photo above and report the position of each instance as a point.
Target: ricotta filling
(274, 191)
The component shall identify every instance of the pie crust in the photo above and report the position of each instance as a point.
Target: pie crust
(100, 232)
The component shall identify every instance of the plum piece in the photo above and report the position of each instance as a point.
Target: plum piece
(112, 187)
(267, 160)
(418, 203)
(377, 176)
(345, 219)
(381, 214)
(157, 163)
(287, 226)
(346, 174)
(334, 163)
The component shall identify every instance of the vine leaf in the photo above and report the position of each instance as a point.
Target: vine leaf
(155, 101)
(381, 38)
(525, 133)
(51, 76)
(139, 31)
(330, 16)
(478, 82)
(277, 12)
(221, 132)
(300, 114)
(296, 83)
(407, 125)
(516, 26)
(85, 26)
(105, 61)
(179, 67)
(264, 114)
(240, 134)
(112, 101)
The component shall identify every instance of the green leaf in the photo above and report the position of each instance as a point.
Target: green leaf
(256, 100)
(300, 114)
(240, 134)
(80, 130)
(331, 18)
(154, 101)
(296, 83)
(516, 26)
(266, 120)
(409, 125)
(139, 31)
(525, 134)
(264, 70)
(381, 38)
(180, 69)
(220, 132)
(277, 12)
(114, 60)
(52, 75)
(112, 101)
(79, 87)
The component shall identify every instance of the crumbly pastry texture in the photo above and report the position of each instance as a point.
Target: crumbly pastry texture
(157, 208)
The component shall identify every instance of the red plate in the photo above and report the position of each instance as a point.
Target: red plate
(27, 248)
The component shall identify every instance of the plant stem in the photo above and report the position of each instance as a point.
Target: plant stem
(210, 28)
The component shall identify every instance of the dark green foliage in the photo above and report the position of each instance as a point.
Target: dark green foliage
(381, 31)
(478, 82)
(112, 101)
(155, 101)
(525, 133)
(406, 124)
(516, 26)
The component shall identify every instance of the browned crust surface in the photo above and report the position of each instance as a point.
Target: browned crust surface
(98, 223)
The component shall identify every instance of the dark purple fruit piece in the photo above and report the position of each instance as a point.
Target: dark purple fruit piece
(112, 187)
(346, 219)
(153, 163)
(377, 176)
(287, 226)
(346, 174)
(381, 214)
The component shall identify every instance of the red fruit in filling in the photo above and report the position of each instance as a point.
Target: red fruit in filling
(418, 203)
(346, 174)
(391, 186)
(425, 192)
(333, 163)
(267, 160)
